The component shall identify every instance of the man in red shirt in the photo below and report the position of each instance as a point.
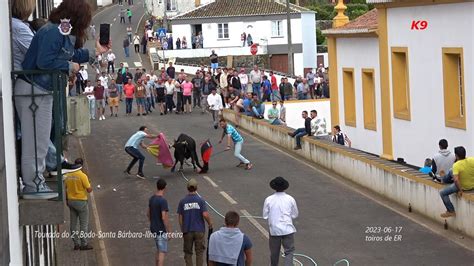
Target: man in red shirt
(129, 90)
(99, 94)
(275, 90)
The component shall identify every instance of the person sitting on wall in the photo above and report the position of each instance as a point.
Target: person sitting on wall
(258, 108)
(339, 137)
(463, 177)
(426, 169)
(300, 132)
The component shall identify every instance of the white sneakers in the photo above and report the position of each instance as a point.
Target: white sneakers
(102, 117)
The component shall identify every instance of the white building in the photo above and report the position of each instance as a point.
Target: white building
(222, 22)
(400, 78)
(171, 8)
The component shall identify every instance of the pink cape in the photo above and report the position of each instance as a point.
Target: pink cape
(164, 155)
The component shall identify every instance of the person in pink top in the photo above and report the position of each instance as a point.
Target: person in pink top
(187, 87)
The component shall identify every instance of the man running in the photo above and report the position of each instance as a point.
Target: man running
(233, 135)
(131, 147)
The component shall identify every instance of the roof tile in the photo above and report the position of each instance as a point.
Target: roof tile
(234, 8)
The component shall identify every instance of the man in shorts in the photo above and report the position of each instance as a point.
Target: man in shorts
(114, 98)
(159, 221)
(140, 95)
(99, 94)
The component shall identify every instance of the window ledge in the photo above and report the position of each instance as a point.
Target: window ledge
(223, 39)
(372, 127)
(403, 115)
(277, 37)
(456, 123)
(351, 123)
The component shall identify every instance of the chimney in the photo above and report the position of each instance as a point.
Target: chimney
(197, 3)
(341, 19)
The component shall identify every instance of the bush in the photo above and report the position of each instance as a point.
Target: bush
(320, 38)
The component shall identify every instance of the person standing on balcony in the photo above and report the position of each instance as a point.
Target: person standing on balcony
(214, 61)
(77, 187)
(51, 49)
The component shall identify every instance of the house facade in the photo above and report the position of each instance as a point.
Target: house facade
(400, 82)
(223, 22)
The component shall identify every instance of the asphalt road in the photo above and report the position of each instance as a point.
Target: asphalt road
(334, 219)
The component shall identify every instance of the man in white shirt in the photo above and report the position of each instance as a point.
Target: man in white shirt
(85, 77)
(110, 62)
(280, 209)
(318, 126)
(89, 92)
(104, 81)
(214, 101)
(244, 80)
(169, 90)
(256, 78)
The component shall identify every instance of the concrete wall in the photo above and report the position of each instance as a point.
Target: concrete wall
(206, 52)
(360, 53)
(404, 186)
(449, 25)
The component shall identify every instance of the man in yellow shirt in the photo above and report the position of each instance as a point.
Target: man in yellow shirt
(463, 176)
(77, 186)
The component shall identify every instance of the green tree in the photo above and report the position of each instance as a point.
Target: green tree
(320, 38)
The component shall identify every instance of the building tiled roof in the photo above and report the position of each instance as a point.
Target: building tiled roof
(239, 8)
(363, 24)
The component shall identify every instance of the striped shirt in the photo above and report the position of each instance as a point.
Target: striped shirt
(236, 137)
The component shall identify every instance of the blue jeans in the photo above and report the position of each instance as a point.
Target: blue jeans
(91, 108)
(127, 51)
(120, 90)
(277, 122)
(256, 89)
(275, 96)
(258, 111)
(301, 96)
(445, 192)
(128, 105)
(51, 157)
(448, 178)
(299, 133)
(238, 150)
(148, 104)
(137, 156)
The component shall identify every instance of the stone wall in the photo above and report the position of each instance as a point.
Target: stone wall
(236, 61)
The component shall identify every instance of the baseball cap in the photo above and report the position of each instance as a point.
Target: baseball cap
(192, 183)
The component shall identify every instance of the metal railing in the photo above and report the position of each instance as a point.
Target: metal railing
(58, 126)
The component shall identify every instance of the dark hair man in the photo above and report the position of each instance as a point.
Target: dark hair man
(300, 132)
(131, 147)
(159, 221)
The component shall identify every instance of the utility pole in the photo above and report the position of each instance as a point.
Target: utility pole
(288, 32)
(165, 17)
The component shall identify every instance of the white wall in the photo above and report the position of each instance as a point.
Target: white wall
(15, 242)
(449, 25)
(298, 66)
(295, 108)
(180, 31)
(309, 39)
(182, 6)
(360, 53)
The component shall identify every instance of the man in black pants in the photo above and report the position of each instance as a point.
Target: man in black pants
(131, 147)
(300, 132)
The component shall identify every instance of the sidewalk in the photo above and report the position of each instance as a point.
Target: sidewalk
(64, 246)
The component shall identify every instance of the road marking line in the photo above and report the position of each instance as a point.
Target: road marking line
(210, 181)
(95, 213)
(138, 64)
(228, 198)
(256, 224)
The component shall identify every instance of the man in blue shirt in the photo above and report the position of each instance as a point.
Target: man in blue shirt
(159, 221)
(131, 147)
(229, 246)
(233, 135)
(192, 211)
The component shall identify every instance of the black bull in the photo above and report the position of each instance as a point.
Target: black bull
(185, 148)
